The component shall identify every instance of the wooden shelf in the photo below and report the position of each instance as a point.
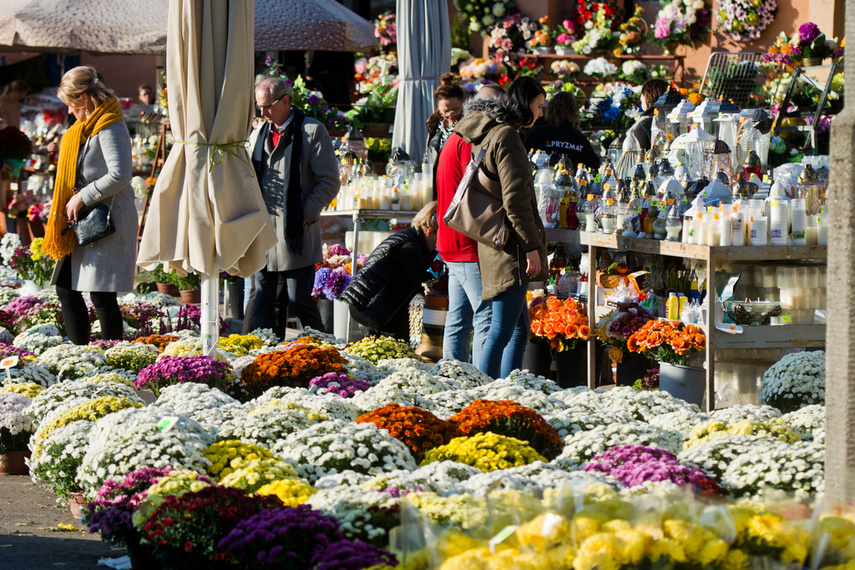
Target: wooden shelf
(751, 337)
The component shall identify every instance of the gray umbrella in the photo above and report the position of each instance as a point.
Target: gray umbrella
(134, 27)
(424, 54)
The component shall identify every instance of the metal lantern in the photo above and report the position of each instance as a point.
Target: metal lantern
(752, 165)
(754, 132)
(717, 157)
(354, 141)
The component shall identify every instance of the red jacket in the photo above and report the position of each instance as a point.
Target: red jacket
(452, 246)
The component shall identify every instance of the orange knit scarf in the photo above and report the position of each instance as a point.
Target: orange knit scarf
(57, 245)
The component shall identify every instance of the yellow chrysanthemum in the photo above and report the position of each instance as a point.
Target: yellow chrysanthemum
(292, 491)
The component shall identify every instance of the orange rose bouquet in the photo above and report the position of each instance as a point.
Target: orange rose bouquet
(561, 323)
(673, 342)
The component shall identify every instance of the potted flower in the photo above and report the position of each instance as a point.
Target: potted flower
(164, 281)
(294, 365)
(614, 330)
(564, 70)
(111, 512)
(565, 37)
(416, 428)
(15, 431)
(810, 45)
(560, 325)
(188, 288)
(681, 22)
(673, 344)
(633, 33)
(745, 20)
(542, 38)
(599, 20)
(171, 370)
(184, 531)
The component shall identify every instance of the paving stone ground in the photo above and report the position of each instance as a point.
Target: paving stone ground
(30, 538)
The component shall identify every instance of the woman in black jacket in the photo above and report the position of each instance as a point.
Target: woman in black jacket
(560, 134)
(380, 293)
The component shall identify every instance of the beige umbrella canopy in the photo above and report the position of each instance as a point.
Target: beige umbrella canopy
(139, 27)
(106, 26)
(207, 214)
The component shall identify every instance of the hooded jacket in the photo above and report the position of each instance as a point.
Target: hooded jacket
(507, 162)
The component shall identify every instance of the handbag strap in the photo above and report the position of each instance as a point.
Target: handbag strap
(483, 179)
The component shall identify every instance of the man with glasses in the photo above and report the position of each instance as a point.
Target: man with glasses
(298, 173)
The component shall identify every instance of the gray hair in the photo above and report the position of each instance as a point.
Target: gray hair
(276, 87)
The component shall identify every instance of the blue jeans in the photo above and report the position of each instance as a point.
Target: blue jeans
(466, 310)
(508, 333)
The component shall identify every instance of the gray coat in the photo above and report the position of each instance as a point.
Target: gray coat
(104, 170)
(321, 184)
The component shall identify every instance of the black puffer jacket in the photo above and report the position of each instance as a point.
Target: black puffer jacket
(390, 277)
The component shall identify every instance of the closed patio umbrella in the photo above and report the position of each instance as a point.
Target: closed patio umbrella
(207, 214)
(424, 54)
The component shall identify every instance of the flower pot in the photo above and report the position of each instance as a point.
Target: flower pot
(686, 382)
(433, 326)
(811, 61)
(563, 50)
(376, 129)
(633, 367)
(193, 296)
(537, 359)
(12, 463)
(77, 505)
(142, 558)
(167, 289)
(572, 366)
(543, 50)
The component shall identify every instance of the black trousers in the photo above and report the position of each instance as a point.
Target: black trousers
(75, 314)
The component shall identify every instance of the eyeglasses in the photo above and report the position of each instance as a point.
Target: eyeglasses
(265, 107)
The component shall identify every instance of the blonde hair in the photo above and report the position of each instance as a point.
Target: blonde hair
(426, 218)
(80, 81)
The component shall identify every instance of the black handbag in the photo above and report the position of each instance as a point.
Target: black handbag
(92, 224)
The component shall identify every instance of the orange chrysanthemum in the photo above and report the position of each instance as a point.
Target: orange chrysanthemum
(416, 428)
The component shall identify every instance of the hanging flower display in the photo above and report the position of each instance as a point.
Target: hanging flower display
(682, 22)
(481, 14)
(745, 20)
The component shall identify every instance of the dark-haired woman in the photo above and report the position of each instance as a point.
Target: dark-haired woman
(449, 98)
(560, 135)
(494, 125)
(650, 92)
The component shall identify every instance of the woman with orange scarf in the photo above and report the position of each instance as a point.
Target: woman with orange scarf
(95, 166)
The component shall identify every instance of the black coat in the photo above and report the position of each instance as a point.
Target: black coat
(565, 140)
(390, 278)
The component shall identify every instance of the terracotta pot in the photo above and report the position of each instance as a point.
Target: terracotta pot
(167, 289)
(77, 505)
(191, 297)
(12, 463)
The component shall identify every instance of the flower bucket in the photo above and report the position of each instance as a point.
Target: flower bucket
(341, 317)
(686, 382)
(811, 61)
(537, 360)
(12, 463)
(572, 366)
(633, 367)
(235, 293)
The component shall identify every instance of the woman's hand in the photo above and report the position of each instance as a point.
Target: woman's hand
(532, 268)
(75, 204)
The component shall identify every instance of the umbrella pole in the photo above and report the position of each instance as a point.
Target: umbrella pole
(210, 330)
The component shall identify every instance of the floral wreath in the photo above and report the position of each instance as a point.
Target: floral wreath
(742, 21)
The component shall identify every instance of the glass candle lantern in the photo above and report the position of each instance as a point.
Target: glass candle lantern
(812, 189)
(679, 118)
(717, 159)
(690, 149)
(615, 150)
